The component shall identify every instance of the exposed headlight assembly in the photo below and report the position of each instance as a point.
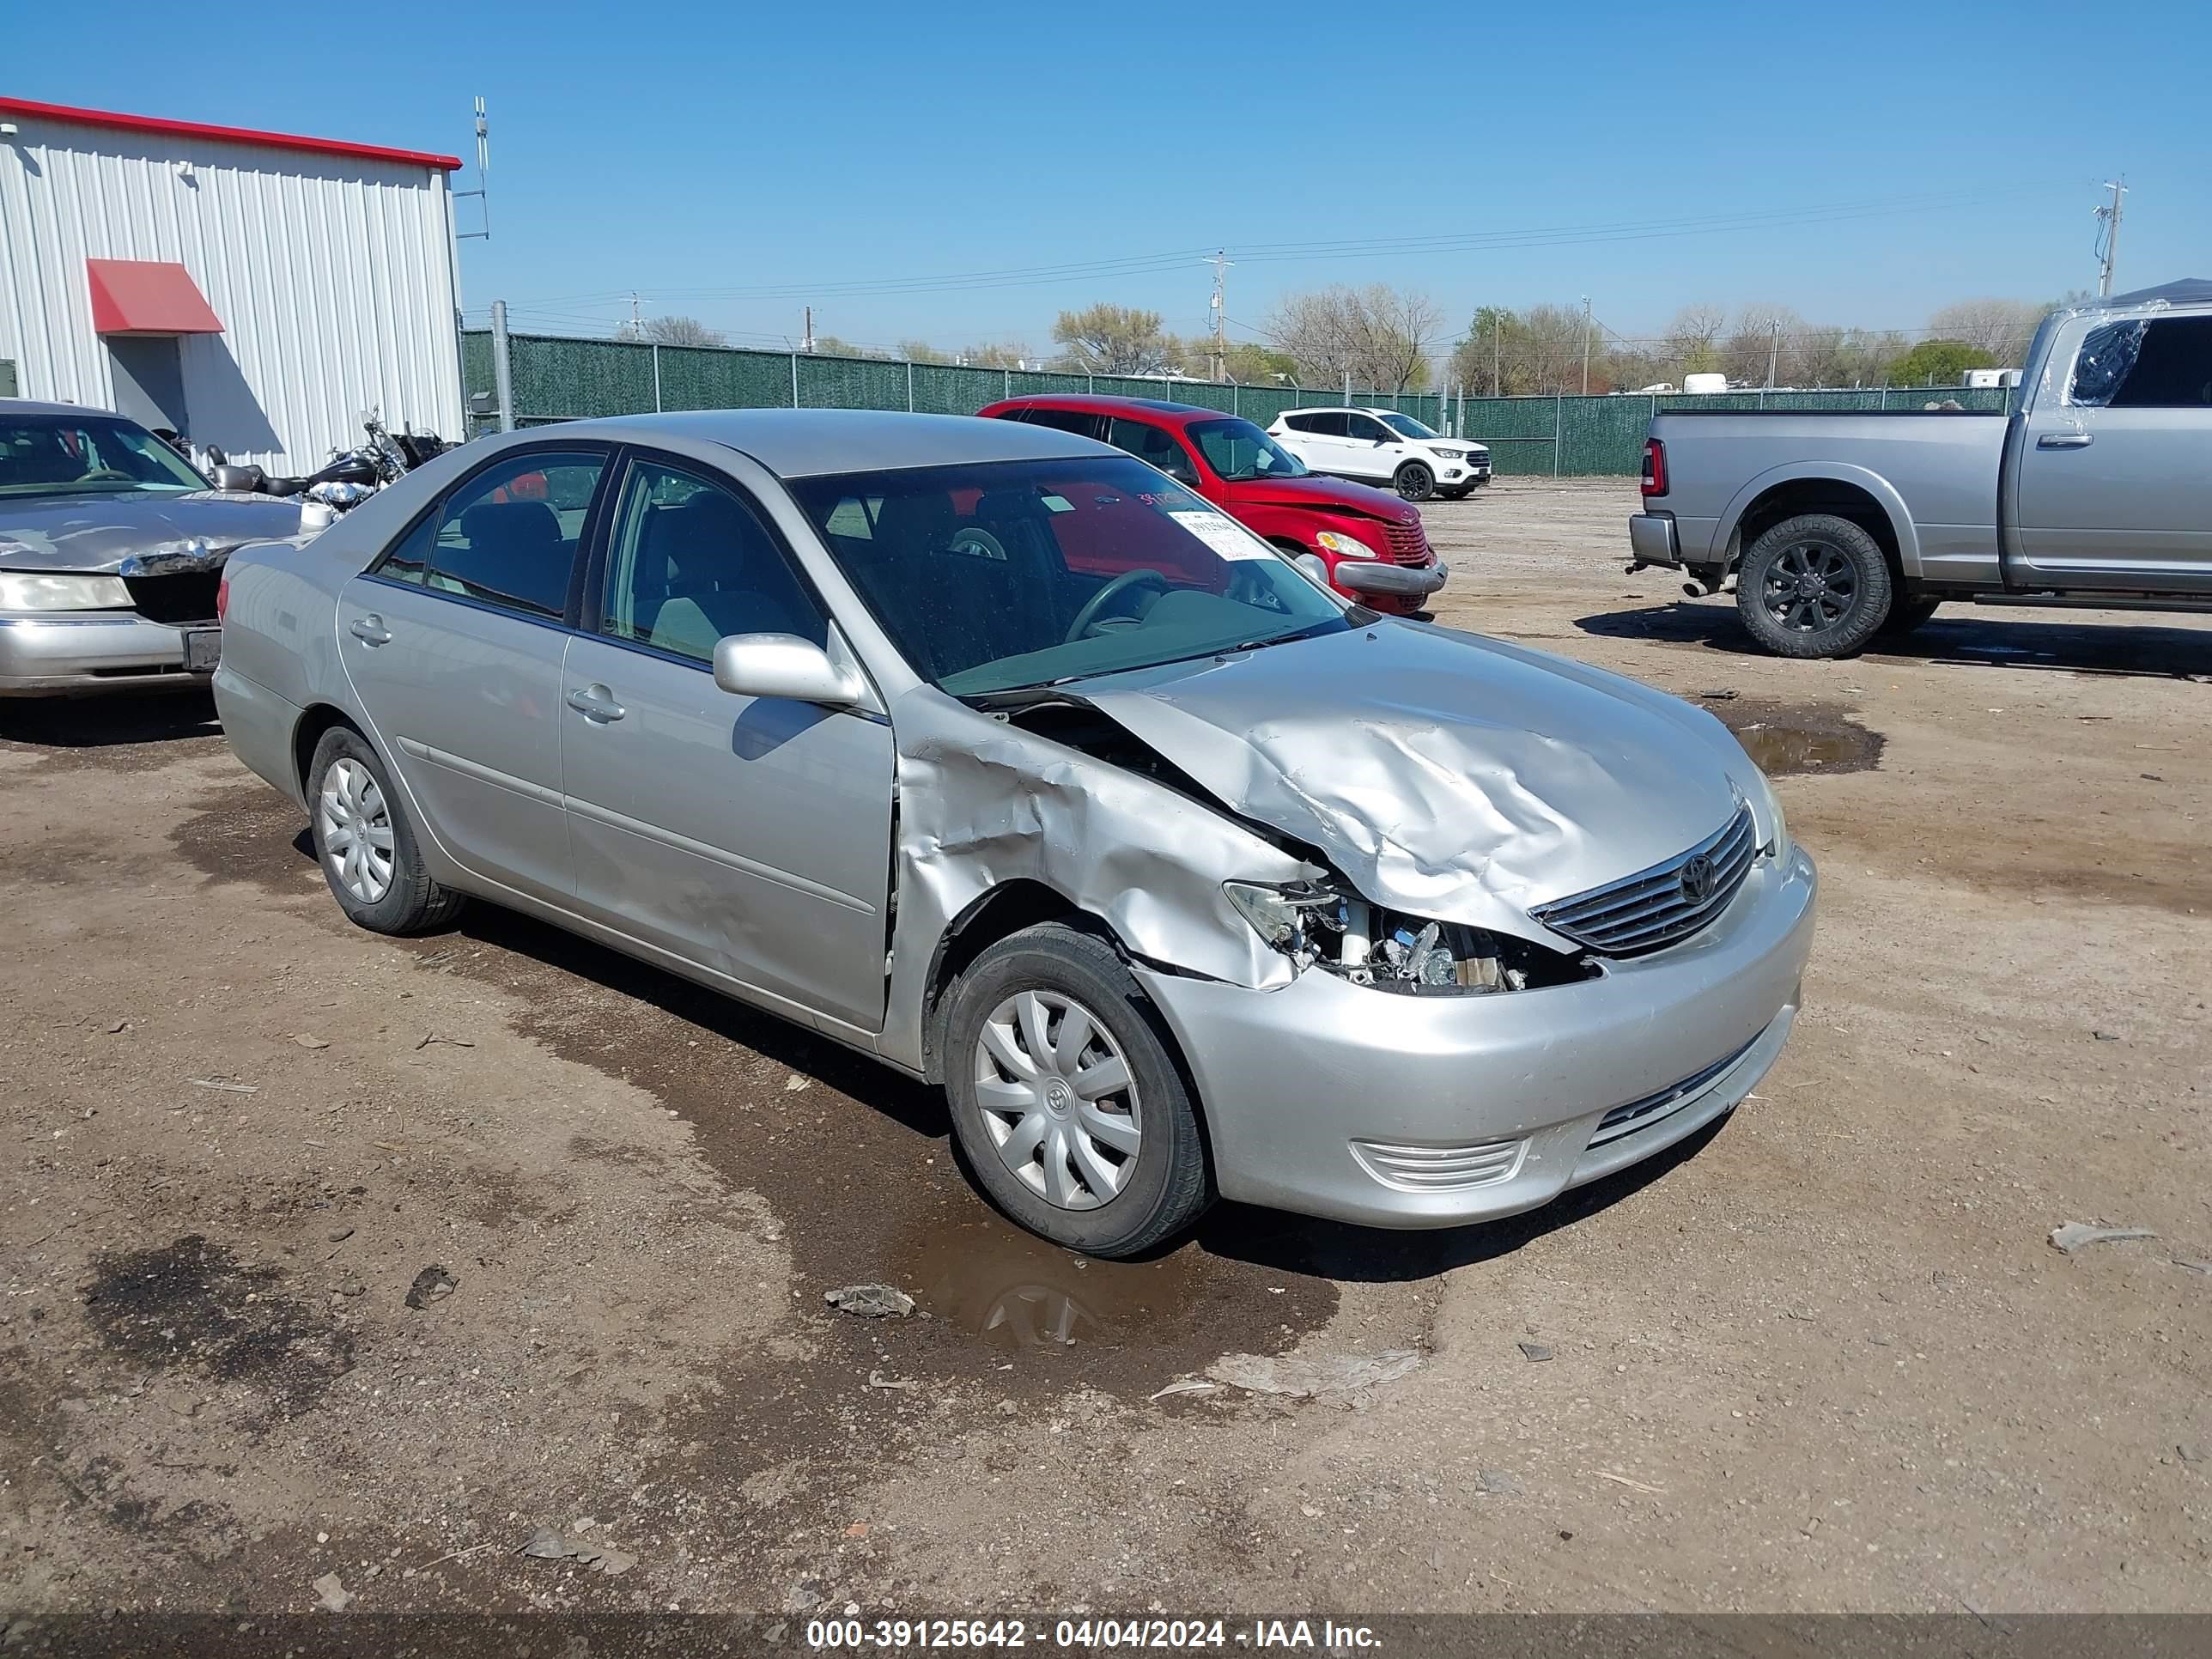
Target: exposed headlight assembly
(1318, 926)
(1345, 547)
(25, 590)
(1778, 841)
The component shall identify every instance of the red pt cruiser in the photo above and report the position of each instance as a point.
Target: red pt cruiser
(1373, 544)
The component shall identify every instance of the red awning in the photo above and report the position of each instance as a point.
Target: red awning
(147, 296)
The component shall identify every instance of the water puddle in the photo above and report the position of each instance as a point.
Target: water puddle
(1782, 738)
(1015, 1291)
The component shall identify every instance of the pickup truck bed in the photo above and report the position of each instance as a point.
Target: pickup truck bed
(1835, 527)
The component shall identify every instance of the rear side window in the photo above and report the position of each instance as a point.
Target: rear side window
(2171, 365)
(506, 536)
(1328, 424)
(1067, 419)
(1154, 447)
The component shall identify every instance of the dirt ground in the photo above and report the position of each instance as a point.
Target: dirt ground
(1824, 1357)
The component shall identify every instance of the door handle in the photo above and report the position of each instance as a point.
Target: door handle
(2065, 439)
(371, 630)
(595, 702)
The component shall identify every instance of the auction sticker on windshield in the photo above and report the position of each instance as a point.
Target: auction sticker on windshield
(1225, 536)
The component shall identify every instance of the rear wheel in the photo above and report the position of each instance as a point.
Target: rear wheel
(366, 845)
(1414, 482)
(1813, 585)
(1069, 1108)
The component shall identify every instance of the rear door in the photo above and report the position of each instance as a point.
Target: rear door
(454, 640)
(1326, 444)
(750, 836)
(2115, 473)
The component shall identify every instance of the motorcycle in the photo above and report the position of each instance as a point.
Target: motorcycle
(351, 476)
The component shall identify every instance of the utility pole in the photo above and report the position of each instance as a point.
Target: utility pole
(2109, 219)
(1586, 344)
(806, 333)
(1496, 353)
(636, 327)
(1773, 350)
(1221, 262)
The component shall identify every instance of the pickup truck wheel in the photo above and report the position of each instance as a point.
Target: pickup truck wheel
(1414, 482)
(1070, 1111)
(1815, 586)
(1904, 615)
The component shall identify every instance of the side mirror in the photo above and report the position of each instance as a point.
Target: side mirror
(784, 665)
(1316, 571)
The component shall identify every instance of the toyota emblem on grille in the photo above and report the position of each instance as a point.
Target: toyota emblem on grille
(1699, 877)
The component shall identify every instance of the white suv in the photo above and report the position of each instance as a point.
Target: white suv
(1382, 446)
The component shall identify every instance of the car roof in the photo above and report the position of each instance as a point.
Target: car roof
(34, 406)
(1163, 412)
(799, 443)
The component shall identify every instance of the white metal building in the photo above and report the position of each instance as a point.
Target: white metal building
(250, 290)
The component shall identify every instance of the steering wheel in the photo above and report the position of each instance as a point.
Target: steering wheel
(1088, 617)
(103, 472)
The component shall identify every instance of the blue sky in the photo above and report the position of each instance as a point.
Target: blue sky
(895, 162)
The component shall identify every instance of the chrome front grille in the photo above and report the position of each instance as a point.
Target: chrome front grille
(1663, 905)
(1439, 1168)
(1409, 544)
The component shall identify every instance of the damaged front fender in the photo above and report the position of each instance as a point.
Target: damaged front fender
(984, 803)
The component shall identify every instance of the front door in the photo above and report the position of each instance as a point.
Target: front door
(2115, 476)
(454, 640)
(752, 836)
(1372, 450)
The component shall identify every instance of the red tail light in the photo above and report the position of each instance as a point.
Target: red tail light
(1655, 467)
(222, 598)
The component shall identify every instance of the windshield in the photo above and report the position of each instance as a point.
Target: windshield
(1239, 451)
(1405, 424)
(1015, 573)
(87, 454)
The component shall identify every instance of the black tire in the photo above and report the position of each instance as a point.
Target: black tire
(411, 902)
(1166, 1185)
(1414, 482)
(1459, 495)
(1904, 615)
(1813, 585)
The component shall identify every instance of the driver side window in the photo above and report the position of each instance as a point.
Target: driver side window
(1368, 430)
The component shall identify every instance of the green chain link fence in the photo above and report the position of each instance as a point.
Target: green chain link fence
(562, 378)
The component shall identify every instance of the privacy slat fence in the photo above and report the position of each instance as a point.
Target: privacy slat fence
(560, 379)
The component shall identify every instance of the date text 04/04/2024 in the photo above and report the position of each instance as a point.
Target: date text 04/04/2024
(1090, 1633)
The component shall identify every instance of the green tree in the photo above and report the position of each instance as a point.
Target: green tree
(1946, 361)
(1111, 339)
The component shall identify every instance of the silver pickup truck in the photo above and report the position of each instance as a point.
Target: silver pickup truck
(2095, 489)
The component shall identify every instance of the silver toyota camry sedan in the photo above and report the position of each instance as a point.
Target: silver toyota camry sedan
(995, 753)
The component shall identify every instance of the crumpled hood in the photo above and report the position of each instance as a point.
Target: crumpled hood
(95, 534)
(1318, 494)
(1442, 774)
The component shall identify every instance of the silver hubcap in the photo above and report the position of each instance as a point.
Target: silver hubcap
(355, 828)
(1057, 1099)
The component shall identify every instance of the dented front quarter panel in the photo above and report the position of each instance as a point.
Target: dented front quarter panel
(982, 803)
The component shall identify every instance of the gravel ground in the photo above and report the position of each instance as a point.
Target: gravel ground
(1822, 1357)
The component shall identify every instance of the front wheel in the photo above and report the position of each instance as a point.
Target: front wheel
(1414, 482)
(1069, 1107)
(1904, 615)
(1813, 585)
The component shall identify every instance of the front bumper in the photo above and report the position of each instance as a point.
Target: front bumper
(1652, 539)
(1331, 1099)
(59, 654)
(1400, 581)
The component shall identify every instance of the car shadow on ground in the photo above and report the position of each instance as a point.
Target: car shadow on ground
(107, 722)
(1963, 634)
(1332, 1249)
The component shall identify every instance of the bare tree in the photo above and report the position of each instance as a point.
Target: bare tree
(1379, 335)
(672, 331)
(1110, 339)
(1752, 345)
(1539, 350)
(1691, 344)
(2001, 327)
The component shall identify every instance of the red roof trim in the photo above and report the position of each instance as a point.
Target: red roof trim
(100, 118)
(148, 296)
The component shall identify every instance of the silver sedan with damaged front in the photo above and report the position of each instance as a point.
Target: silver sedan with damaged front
(991, 751)
(112, 549)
